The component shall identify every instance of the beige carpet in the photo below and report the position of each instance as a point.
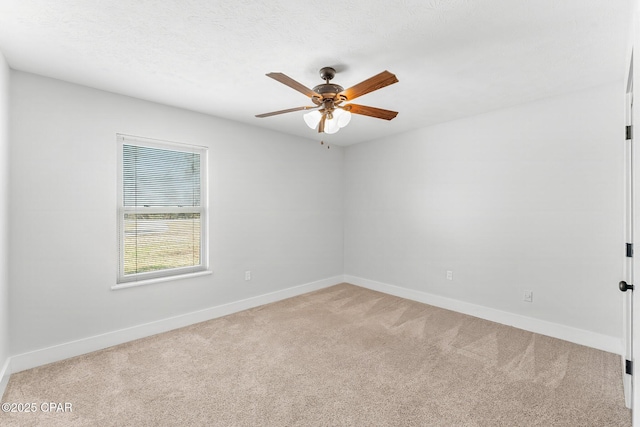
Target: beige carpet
(342, 356)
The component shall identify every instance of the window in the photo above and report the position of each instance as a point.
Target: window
(162, 212)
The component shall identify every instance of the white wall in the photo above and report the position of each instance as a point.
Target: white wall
(276, 209)
(526, 198)
(4, 222)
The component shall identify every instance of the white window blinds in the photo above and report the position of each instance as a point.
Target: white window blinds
(156, 177)
(162, 214)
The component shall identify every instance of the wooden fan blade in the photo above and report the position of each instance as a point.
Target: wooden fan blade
(378, 113)
(376, 82)
(286, 80)
(274, 113)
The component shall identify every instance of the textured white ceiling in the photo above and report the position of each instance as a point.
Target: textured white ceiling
(454, 58)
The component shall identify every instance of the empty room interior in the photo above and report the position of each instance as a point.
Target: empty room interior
(415, 212)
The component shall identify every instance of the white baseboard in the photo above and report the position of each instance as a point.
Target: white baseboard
(4, 377)
(40, 357)
(543, 327)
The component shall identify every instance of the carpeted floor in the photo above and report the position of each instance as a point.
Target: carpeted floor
(341, 356)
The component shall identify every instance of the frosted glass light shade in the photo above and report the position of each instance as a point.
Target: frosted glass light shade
(331, 126)
(343, 117)
(312, 118)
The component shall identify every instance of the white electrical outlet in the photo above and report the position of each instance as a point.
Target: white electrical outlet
(247, 275)
(528, 296)
(449, 275)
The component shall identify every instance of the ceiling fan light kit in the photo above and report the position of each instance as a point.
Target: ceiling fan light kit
(329, 115)
(336, 120)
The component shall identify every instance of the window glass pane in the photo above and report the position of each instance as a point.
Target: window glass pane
(162, 209)
(157, 177)
(161, 241)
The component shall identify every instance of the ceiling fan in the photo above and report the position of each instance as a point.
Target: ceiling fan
(330, 113)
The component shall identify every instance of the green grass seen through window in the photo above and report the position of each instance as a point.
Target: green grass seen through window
(155, 242)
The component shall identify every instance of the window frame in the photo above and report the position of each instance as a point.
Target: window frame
(137, 279)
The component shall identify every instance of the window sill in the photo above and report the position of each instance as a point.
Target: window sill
(160, 280)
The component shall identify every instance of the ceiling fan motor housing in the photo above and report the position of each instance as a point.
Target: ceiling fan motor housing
(327, 91)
